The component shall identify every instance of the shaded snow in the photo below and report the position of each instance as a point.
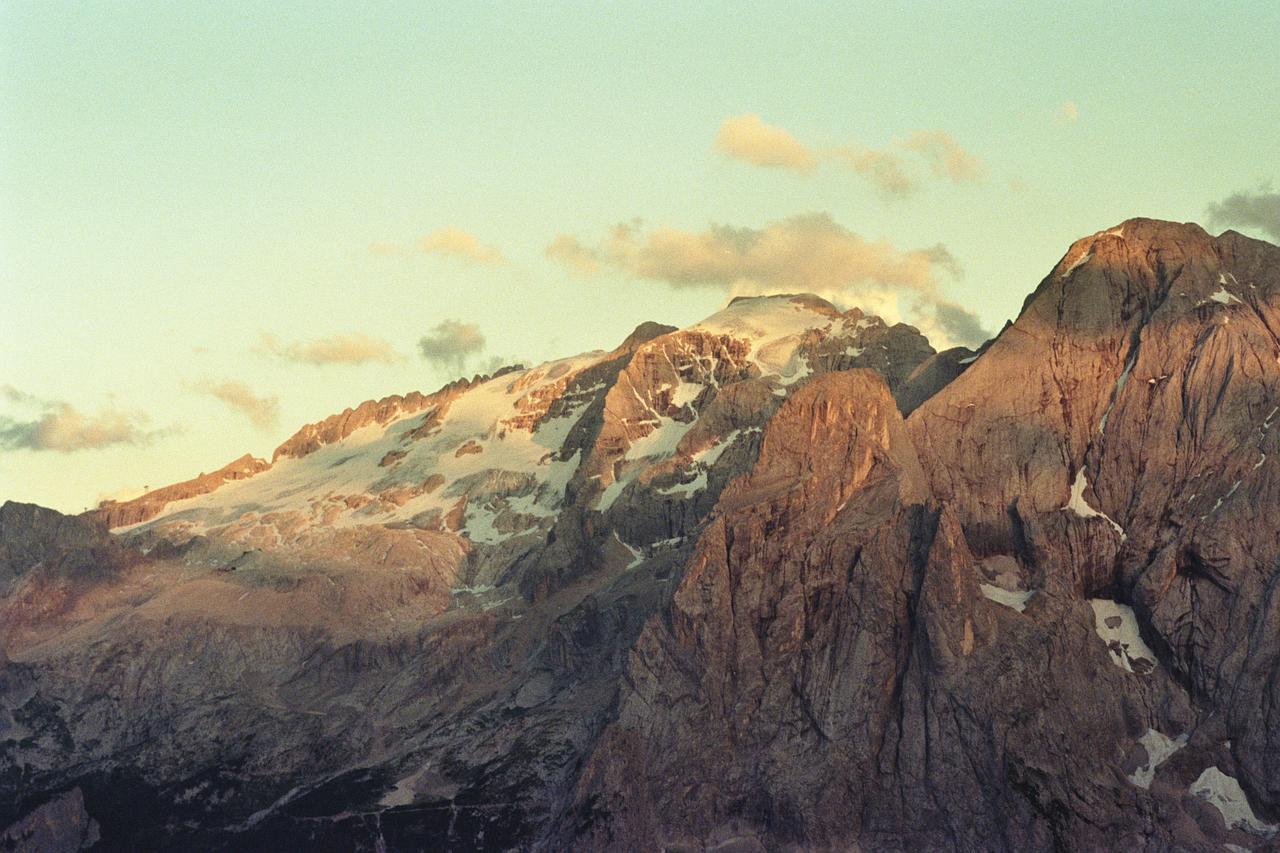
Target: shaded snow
(1224, 296)
(661, 442)
(1159, 749)
(686, 392)
(1120, 383)
(637, 555)
(697, 484)
(1077, 504)
(1225, 794)
(1116, 624)
(1017, 599)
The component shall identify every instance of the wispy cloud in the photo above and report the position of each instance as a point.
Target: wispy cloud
(810, 253)
(886, 170)
(451, 343)
(1260, 210)
(263, 412)
(462, 245)
(61, 427)
(894, 171)
(945, 156)
(748, 138)
(1068, 113)
(354, 348)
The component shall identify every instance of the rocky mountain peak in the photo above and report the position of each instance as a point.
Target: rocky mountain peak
(783, 578)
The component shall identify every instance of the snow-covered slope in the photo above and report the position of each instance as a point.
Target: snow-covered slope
(496, 460)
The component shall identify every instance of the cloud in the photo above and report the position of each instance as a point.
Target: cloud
(463, 245)
(959, 324)
(889, 170)
(1068, 113)
(808, 253)
(945, 156)
(570, 251)
(1260, 210)
(451, 343)
(885, 169)
(62, 427)
(748, 138)
(354, 348)
(263, 412)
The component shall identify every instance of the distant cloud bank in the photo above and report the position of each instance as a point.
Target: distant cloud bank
(62, 427)
(1260, 210)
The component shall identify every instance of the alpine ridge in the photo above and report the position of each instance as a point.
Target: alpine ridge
(784, 579)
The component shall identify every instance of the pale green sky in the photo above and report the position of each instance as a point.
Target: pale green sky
(177, 179)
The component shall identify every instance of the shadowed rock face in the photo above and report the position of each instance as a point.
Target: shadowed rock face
(709, 590)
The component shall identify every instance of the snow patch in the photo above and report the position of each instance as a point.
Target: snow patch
(1083, 259)
(1224, 296)
(1224, 793)
(1017, 599)
(1160, 748)
(1116, 624)
(637, 555)
(660, 442)
(1120, 383)
(685, 393)
(1080, 506)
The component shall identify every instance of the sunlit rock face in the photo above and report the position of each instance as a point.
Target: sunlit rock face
(784, 577)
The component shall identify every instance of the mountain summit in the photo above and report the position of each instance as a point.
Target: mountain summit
(784, 578)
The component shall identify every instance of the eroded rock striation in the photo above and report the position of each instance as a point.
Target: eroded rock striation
(786, 578)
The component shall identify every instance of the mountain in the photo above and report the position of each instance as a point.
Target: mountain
(786, 577)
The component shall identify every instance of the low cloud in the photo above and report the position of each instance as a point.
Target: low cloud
(62, 427)
(894, 171)
(355, 348)
(959, 324)
(451, 344)
(462, 245)
(263, 412)
(1260, 210)
(809, 253)
(748, 138)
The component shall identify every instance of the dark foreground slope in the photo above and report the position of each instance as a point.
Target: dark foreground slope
(765, 610)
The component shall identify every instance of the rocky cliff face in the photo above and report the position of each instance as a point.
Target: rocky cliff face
(785, 577)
